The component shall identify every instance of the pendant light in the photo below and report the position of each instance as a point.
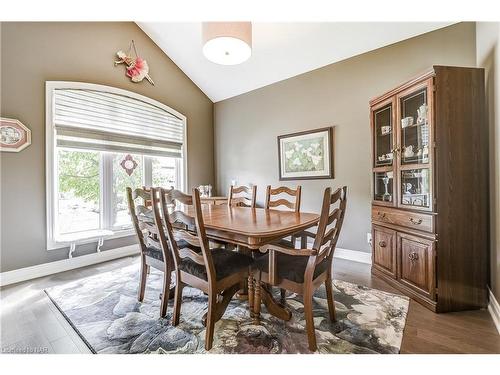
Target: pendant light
(227, 43)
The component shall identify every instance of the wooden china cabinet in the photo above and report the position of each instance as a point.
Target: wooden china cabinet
(430, 221)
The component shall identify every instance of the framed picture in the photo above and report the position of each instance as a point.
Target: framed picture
(14, 135)
(306, 155)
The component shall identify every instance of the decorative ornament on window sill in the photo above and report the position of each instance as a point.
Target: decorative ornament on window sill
(129, 164)
(137, 68)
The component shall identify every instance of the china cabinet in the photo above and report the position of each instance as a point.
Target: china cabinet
(430, 188)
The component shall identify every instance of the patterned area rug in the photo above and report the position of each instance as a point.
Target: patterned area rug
(105, 312)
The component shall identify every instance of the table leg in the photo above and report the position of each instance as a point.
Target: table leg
(257, 299)
(250, 292)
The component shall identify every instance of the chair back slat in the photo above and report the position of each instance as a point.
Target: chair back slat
(241, 202)
(242, 189)
(329, 235)
(144, 193)
(334, 215)
(242, 196)
(182, 235)
(295, 193)
(179, 217)
(188, 253)
(281, 202)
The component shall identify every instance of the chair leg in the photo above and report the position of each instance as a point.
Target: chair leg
(179, 286)
(142, 279)
(308, 312)
(212, 307)
(283, 296)
(329, 297)
(167, 277)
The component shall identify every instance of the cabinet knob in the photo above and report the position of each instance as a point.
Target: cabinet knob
(413, 256)
(416, 222)
(382, 244)
(381, 215)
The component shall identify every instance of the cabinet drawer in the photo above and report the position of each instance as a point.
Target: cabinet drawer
(418, 221)
(416, 264)
(384, 250)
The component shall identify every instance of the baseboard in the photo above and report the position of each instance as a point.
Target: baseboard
(33, 272)
(353, 255)
(494, 309)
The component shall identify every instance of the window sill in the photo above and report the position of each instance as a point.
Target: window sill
(81, 238)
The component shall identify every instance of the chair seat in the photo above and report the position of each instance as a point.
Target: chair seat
(286, 242)
(154, 252)
(226, 263)
(290, 267)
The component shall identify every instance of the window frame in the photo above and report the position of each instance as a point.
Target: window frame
(51, 158)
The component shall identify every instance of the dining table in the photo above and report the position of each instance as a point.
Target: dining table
(250, 229)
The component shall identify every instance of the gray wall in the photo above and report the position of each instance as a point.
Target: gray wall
(488, 56)
(32, 53)
(337, 95)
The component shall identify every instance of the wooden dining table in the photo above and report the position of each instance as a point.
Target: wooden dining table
(251, 228)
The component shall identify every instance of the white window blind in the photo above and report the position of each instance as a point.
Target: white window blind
(97, 120)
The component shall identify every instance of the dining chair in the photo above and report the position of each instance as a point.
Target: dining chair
(294, 205)
(242, 196)
(219, 273)
(302, 271)
(290, 205)
(152, 252)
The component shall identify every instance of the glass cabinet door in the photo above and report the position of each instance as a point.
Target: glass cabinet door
(383, 138)
(415, 188)
(414, 128)
(383, 186)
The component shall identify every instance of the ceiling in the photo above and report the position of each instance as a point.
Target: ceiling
(280, 50)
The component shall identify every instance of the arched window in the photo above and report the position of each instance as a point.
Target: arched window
(100, 140)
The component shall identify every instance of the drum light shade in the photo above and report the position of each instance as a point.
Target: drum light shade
(227, 43)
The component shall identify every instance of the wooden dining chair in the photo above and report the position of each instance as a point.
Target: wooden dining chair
(302, 271)
(290, 205)
(294, 205)
(242, 196)
(153, 253)
(219, 273)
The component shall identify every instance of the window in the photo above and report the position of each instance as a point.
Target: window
(101, 140)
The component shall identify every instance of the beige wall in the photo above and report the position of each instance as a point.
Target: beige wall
(246, 126)
(32, 53)
(488, 56)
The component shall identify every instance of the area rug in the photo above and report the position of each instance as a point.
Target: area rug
(104, 311)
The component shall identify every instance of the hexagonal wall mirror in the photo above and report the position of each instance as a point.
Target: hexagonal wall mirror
(14, 135)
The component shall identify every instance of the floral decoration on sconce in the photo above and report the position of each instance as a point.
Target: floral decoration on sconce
(136, 67)
(129, 164)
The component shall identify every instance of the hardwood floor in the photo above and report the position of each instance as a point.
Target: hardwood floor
(30, 320)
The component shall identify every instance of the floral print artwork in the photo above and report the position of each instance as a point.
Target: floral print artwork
(305, 155)
(104, 310)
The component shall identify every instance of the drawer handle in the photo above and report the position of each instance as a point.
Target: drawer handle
(382, 244)
(416, 222)
(381, 215)
(413, 256)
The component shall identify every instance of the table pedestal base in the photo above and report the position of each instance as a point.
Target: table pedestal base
(262, 294)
